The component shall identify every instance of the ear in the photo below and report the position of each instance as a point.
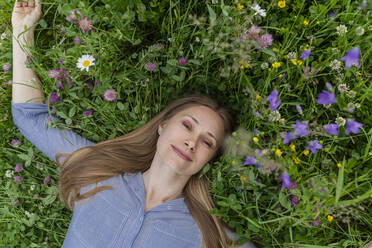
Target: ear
(161, 127)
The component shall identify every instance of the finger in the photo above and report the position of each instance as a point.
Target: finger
(38, 4)
(17, 4)
(31, 4)
(25, 4)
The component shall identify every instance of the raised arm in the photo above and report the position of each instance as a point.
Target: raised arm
(26, 85)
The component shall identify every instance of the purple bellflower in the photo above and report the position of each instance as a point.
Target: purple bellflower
(352, 126)
(326, 97)
(352, 57)
(305, 54)
(287, 136)
(300, 129)
(314, 146)
(331, 129)
(285, 179)
(273, 100)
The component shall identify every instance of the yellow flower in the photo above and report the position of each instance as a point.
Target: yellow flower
(320, 141)
(306, 152)
(233, 162)
(330, 218)
(294, 61)
(234, 134)
(264, 152)
(243, 178)
(306, 22)
(240, 6)
(339, 165)
(293, 147)
(281, 120)
(246, 65)
(281, 4)
(296, 160)
(358, 73)
(241, 62)
(318, 22)
(278, 152)
(242, 67)
(255, 139)
(276, 64)
(258, 97)
(299, 62)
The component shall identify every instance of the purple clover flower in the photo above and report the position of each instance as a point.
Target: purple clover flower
(88, 112)
(352, 57)
(314, 146)
(294, 200)
(253, 33)
(72, 17)
(273, 100)
(85, 25)
(315, 222)
(60, 75)
(6, 67)
(326, 97)
(352, 126)
(18, 168)
(53, 97)
(76, 40)
(150, 66)
(15, 143)
(285, 179)
(17, 179)
(110, 95)
(15, 202)
(300, 129)
(331, 129)
(182, 61)
(265, 40)
(305, 54)
(249, 161)
(46, 180)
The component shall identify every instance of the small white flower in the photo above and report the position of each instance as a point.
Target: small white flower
(28, 214)
(350, 107)
(340, 121)
(335, 64)
(274, 116)
(197, 39)
(359, 31)
(85, 62)
(9, 173)
(32, 187)
(357, 105)
(351, 94)
(341, 29)
(291, 55)
(258, 10)
(342, 88)
(264, 66)
(246, 91)
(3, 36)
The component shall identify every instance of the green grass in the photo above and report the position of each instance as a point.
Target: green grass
(206, 34)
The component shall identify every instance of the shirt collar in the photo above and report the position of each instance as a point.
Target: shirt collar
(135, 182)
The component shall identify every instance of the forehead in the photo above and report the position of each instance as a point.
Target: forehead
(207, 119)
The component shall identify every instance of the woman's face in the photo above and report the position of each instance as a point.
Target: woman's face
(190, 139)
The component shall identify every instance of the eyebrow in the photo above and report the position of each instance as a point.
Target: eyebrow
(197, 122)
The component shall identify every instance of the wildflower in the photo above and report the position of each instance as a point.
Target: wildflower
(306, 152)
(331, 129)
(329, 86)
(291, 55)
(15, 143)
(299, 62)
(351, 93)
(255, 139)
(76, 40)
(243, 178)
(6, 67)
(287, 136)
(46, 180)
(294, 61)
(88, 112)
(281, 4)
(258, 97)
(35, 196)
(293, 147)
(182, 61)
(341, 29)
(110, 95)
(335, 64)
(17, 179)
(298, 108)
(352, 57)
(18, 168)
(315, 222)
(9, 173)
(32, 187)
(265, 40)
(305, 54)
(264, 65)
(294, 200)
(276, 65)
(326, 97)
(72, 17)
(359, 31)
(150, 66)
(340, 121)
(249, 161)
(314, 146)
(14, 202)
(300, 129)
(273, 100)
(342, 88)
(4, 36)
(306, 22)
(53, 97)
(296, 160)
(85, 62)
(240, 6)
(330, 218)
(60, 75)
(352, 126)
(85, 25)
(285, 179)
(278, 152)
(339, 165)
(262, 152)
(350, 107)
(258, 10)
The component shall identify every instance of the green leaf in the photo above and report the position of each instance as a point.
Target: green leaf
(269, 52)
(43, 23)
(212, 14)
(120, 106)
(283, 199)
(72, 112)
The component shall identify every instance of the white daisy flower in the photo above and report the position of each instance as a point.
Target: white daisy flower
(85, 62)
(258, 10)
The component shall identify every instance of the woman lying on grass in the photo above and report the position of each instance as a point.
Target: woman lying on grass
(142, 189)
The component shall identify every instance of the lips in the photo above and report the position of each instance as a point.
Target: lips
(181, 154)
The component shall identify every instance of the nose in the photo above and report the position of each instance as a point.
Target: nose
(190, 144)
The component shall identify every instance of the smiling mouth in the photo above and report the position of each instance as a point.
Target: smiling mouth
(179, 153)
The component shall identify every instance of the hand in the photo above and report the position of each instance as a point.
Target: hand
(25, 14)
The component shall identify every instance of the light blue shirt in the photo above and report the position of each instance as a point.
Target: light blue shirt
(112, 218)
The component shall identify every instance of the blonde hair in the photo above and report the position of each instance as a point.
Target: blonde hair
(134, 152)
